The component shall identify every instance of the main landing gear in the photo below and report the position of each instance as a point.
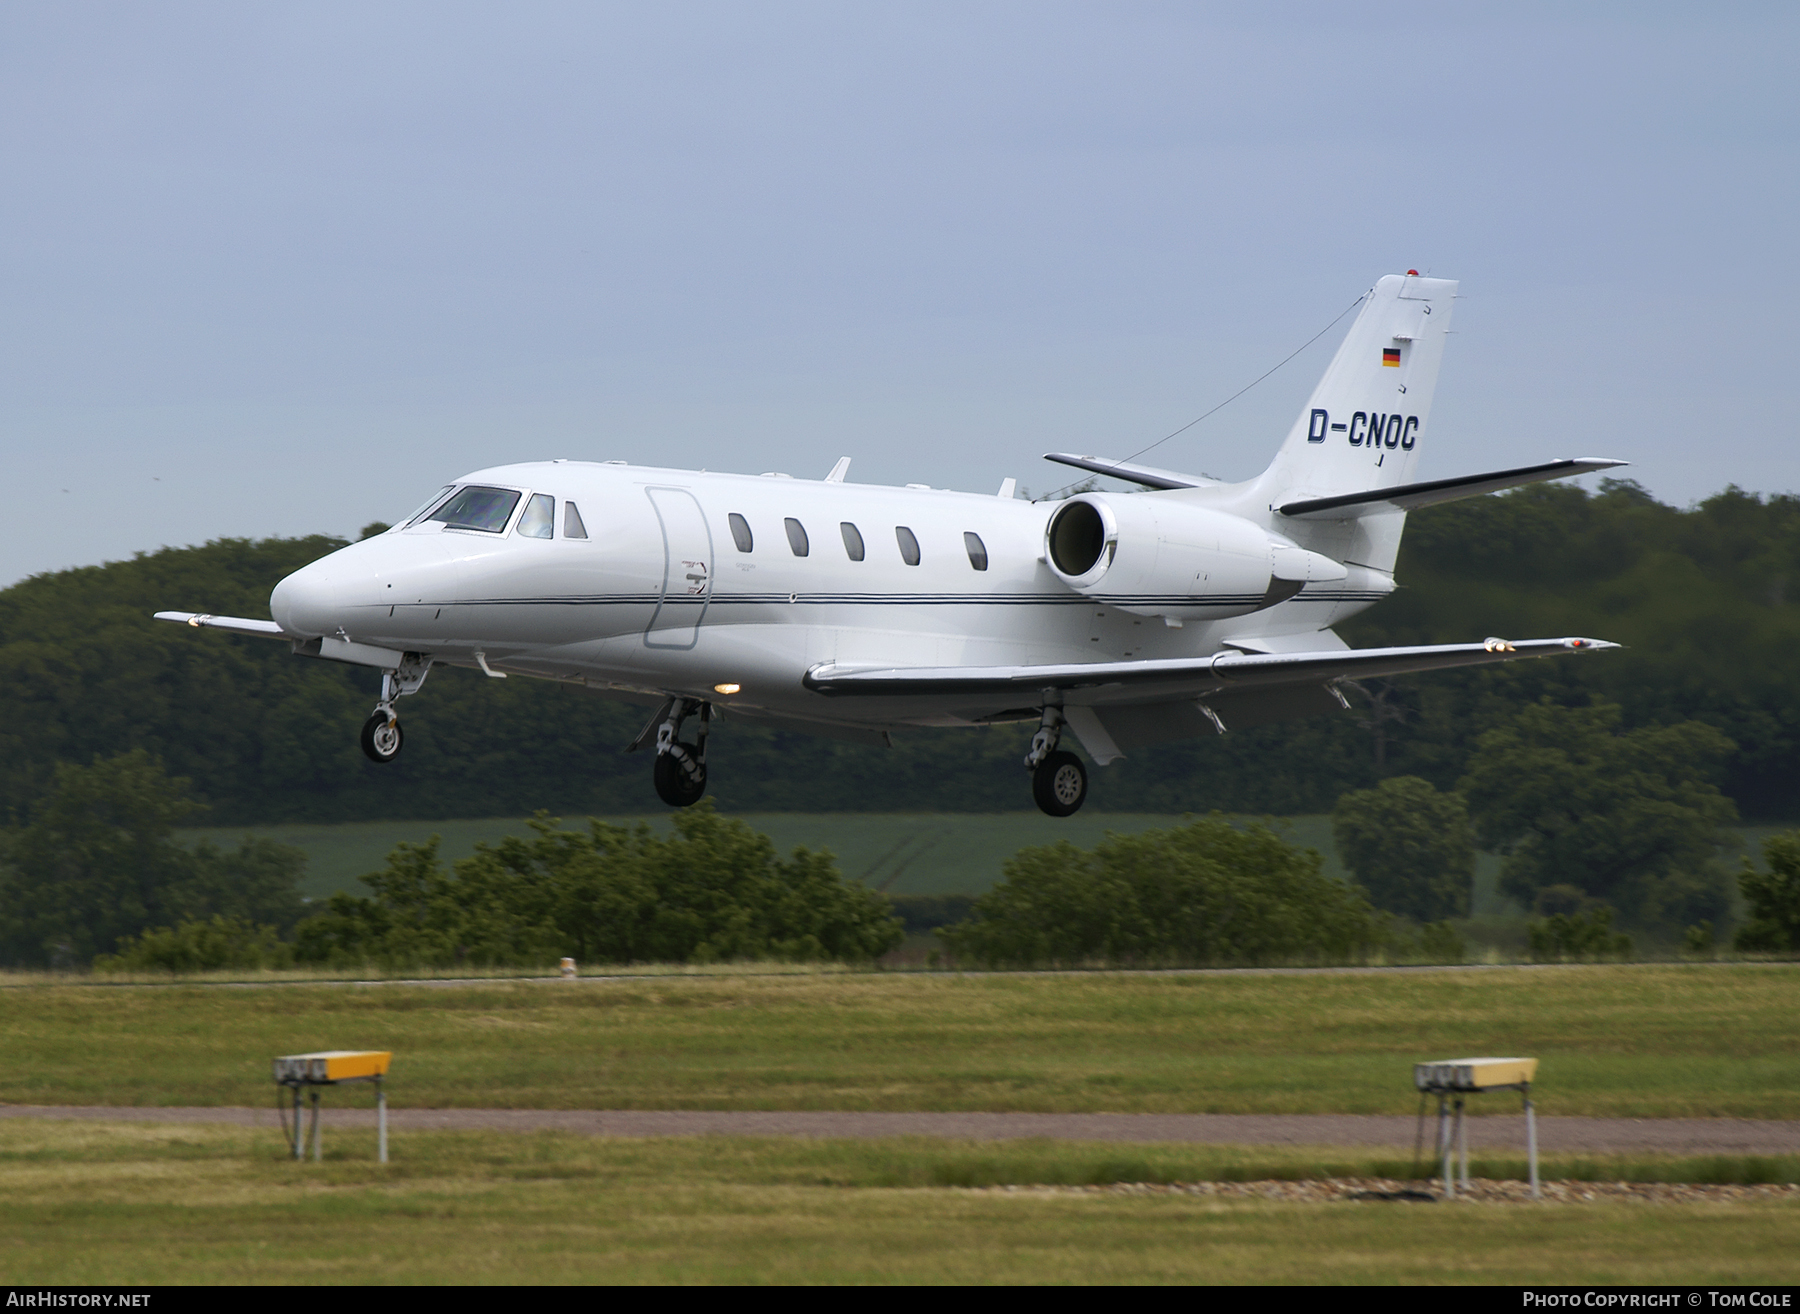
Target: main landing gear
(679, 772)
(1058, 780)
(381, 734)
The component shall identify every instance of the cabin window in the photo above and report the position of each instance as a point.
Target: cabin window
(572, 526)
(853, 543)
(740, 532)
(977, 551)
(909, 545)
(476, 507)
(796, 533)
(539, 520)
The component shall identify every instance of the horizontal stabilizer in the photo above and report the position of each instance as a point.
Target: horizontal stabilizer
(1144, 681)
(261, 629)
(1409, 497)
(1147, 475)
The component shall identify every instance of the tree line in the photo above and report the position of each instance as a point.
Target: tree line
(1700, 595)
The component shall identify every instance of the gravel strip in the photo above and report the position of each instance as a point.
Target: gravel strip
(1383, 1190)
(1555, 1135)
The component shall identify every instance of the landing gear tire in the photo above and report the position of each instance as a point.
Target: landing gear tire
(679, 776)
(382, 738)
(1059, 785)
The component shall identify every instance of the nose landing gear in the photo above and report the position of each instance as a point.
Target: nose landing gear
(382, 737)
(679, 772)
(1058, 779)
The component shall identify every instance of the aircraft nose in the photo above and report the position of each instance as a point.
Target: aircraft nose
(306, 602)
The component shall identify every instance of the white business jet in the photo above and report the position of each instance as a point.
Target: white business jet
(1193, 607)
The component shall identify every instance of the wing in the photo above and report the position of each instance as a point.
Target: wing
(231, 624)
(1097, 683)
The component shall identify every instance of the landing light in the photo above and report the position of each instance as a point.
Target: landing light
(727, 688)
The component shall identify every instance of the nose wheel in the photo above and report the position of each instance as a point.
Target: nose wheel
(382, 737)
(381, 733)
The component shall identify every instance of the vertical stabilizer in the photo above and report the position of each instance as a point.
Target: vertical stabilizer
(1368, 421)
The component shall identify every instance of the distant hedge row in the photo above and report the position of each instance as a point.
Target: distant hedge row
(714, 891)
(1206, 893)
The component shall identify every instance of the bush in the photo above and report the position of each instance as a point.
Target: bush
(1203, 893)
(1409, 846)
(220, 944)
(921, 914)
(714, 891)
(1774, 898)
(1578, 937)
(1432, 942)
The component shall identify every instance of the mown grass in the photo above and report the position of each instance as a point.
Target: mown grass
(91, 1203)
(1631, 1041)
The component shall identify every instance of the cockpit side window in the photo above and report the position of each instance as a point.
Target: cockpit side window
(572, 526)
(539, 520)
(478, 507)
(426, 505)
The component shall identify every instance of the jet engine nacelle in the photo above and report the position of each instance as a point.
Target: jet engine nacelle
(1152, 555)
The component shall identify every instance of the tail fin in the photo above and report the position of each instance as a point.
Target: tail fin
(1367, 422)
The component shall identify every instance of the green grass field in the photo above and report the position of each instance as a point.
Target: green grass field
(1633, 1041)
(87, 1203)
(121, 1203)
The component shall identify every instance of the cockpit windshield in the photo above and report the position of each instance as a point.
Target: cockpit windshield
(476, 507)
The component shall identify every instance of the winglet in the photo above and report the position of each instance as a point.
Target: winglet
(838, 471)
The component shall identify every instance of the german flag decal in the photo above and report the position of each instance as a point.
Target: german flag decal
(1390, 356)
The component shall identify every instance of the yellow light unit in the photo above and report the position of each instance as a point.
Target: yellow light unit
(1474, 1074)
(332, 1065)
(727, 688)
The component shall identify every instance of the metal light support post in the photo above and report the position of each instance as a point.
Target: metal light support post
(1457, 1079)
(334, 1067)
(1531, 1137)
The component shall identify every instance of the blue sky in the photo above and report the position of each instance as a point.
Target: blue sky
(281, 270)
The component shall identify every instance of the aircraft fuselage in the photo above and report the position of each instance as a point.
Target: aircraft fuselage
(662, 597)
